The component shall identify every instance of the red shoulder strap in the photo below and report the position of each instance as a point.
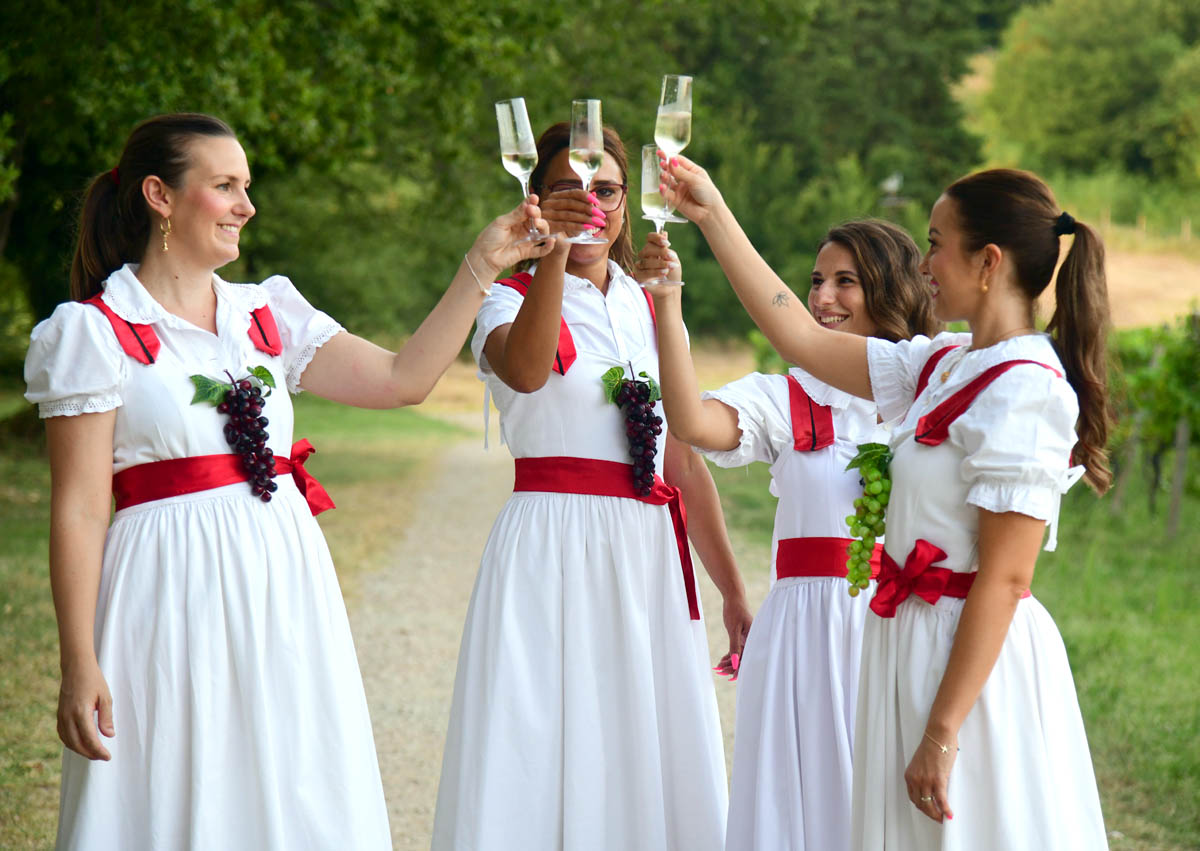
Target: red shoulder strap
(934, 427)
(264, 333)
(565, 355)
(139, 341)
(812, 424)
(650, 301)
(927, 370)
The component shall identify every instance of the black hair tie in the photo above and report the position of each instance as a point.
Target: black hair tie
(1064, 224)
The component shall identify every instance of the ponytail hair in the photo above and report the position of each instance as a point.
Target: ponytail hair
(895, 293)
(114, 218)
(1016, 211)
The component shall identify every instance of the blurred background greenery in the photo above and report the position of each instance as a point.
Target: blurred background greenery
(371, 133)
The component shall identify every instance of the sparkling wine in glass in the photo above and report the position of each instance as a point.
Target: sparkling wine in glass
(518, 150)
(585, 153)
(654, 205)
(673, 128)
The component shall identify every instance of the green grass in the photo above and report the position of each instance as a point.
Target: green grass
(1125, 599)
(364, 458)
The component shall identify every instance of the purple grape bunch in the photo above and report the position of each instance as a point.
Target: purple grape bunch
(246, 434)
(642, 428)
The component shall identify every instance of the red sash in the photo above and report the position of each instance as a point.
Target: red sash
(817, 557)
(142, 344)
(565, 354)
(920, 577)
(812, 424)
(178, 476)
(610, 478)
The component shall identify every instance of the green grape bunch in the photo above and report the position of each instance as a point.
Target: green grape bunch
(867, 522)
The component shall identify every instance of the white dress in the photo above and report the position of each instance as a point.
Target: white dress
(584, 715)
(798, 678)
(240, 717)
(1023, 778)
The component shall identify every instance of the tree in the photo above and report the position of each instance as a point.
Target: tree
(1078, 82)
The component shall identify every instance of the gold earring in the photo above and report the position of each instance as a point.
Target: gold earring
(984, 288)
(165, 227)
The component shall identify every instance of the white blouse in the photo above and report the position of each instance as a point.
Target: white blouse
(1013, 443)
(75, 364)
(569, 415)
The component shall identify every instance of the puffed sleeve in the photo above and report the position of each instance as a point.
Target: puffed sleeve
(499, 308)
(1018, 436)
(895, 367)
(302, 327)
(75, 364)
(764, 416)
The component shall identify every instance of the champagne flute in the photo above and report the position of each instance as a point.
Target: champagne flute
(585, 154)
(673, 126)
(518, 151)
(654, 205)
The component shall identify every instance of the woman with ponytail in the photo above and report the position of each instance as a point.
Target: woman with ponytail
(968, 732)
(203, 633)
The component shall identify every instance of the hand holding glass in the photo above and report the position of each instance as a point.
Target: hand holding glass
(654, 205)
(585, 154)
(518, 150)
(673, 127)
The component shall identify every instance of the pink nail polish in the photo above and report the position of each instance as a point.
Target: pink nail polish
(674, 162)
(736, 659)
(592, 197)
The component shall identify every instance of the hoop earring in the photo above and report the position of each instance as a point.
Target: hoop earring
(165, 228)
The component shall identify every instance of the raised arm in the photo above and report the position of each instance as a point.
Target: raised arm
(80, 498)
(707, 423)
(522, 352)
(836, 359)
(356, 372)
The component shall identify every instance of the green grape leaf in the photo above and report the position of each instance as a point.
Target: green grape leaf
(209, 390)
(876, 455)
(655, 390)
(262, 374)
(612, 382)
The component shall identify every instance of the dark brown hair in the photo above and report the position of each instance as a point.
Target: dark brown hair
(556, 138)
(1016, 211)
(897, 297)
(114, 219)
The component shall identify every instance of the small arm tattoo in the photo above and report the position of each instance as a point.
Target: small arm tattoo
(780, 299)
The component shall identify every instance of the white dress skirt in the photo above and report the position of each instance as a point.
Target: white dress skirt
(220, 629)
(798, 679)
(584, 715)
(1023, 778)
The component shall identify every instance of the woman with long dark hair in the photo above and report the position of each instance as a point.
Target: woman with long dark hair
(994, 426)
(584, 715)
(203, 633)
(798, 676)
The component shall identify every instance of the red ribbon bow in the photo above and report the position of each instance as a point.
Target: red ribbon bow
(314, 493)
(918, 577)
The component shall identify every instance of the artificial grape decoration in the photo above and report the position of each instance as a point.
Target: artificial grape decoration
(867, 522)
(242, 400)
(636, 397)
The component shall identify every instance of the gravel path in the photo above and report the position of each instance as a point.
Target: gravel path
(407, 620)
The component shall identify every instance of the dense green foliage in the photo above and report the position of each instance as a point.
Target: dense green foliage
(1087, 85)
(371, 133)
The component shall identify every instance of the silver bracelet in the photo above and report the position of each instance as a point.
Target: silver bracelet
(485, 290)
